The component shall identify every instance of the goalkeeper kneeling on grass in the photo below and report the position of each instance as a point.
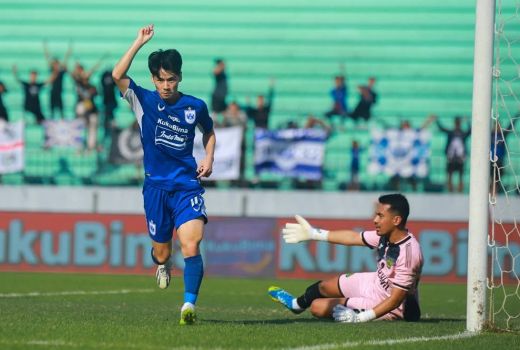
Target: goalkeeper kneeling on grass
(390, 293)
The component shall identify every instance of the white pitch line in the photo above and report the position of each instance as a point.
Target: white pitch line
(355, 344)
(74, 292)
(67, 344)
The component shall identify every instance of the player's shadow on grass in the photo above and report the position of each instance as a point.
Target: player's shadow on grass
(311, 320)
(257, 322)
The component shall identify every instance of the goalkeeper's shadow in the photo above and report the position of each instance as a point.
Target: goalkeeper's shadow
(266, 322)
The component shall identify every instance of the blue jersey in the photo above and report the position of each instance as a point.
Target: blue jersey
(167, 133)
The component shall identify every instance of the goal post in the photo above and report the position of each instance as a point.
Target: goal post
(479, 175)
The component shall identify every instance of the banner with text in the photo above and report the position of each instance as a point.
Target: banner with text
(243, 247)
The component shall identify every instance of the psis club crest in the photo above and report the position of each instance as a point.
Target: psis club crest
(190, 115)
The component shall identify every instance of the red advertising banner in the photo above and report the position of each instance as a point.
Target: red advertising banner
(248, 247)
(102, 243)
(444, 246)
(74, 243)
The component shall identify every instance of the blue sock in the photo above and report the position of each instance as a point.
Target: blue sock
(193, 272)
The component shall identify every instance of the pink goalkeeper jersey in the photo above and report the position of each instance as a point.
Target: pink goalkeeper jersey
(399, 264)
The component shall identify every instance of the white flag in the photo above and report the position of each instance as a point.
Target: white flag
(11, 147)
(227, 152)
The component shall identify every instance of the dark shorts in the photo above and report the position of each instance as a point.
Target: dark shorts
(56, 102)
(455, 165)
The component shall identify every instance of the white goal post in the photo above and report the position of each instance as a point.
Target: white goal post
(479, 176)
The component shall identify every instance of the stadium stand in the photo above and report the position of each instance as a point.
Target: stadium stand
(419, 51)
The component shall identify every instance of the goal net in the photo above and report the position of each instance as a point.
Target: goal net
(504, 192)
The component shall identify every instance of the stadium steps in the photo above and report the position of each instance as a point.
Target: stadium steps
(420, 52)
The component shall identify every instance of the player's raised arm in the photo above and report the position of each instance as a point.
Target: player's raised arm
(303, 231)
(121, 68)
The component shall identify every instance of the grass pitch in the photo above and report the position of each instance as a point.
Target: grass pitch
(70, 311)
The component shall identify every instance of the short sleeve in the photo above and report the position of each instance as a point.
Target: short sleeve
(370, 238)
(408, 267)
(134, 94)
(205, 123)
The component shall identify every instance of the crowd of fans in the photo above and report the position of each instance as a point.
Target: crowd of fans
(228, 112)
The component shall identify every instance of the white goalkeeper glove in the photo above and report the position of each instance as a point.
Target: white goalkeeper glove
(303, 231)
(341, 313)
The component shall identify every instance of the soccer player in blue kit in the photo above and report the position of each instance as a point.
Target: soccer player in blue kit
(172, 191)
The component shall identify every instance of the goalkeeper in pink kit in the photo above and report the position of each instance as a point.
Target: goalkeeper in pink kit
(390, 293)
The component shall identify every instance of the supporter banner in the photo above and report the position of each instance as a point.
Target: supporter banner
(400, 152)
(126, 146)
(11, 147)
(64, 133)
(249, 247)
(227, 152)
(290, 152)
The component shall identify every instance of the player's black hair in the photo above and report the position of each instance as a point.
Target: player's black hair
(398, 205)
(169, 60)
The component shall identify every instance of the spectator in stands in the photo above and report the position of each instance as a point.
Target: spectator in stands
(339, 96)
(86, 108)
(220, 91)
(80, 74)
(395, 181)
(85, 105)
(260, 113)
(455, 151)
(367, 98)
(355, 153)
(234, 116)
(499, 149)
(3, 111)
(108, 89)
(313, 122)
(32, 89)
(58, 69)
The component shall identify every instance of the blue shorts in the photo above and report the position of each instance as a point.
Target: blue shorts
(166, 211)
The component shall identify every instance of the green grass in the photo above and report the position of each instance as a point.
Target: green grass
(232, 313)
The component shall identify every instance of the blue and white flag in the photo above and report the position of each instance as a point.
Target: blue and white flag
(290, 152)
(400, 152)
(64, 133)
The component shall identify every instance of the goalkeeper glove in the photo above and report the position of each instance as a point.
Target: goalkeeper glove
(303, 231)
(344, 314)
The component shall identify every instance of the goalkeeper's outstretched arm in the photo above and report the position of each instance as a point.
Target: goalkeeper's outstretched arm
(303, 231)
